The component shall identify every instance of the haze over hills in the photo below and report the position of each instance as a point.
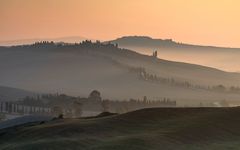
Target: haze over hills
(119, 75)
(79, 68)
(218, 57)
(70, 39)
(145, 41)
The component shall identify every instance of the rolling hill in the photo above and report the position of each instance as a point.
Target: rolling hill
(148, 129)
(79, 68)
(218, 57)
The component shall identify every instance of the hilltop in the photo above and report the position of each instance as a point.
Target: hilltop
(225, 58)
(146, 41)
(148, 129)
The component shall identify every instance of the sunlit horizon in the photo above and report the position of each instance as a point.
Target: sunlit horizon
(213, 23)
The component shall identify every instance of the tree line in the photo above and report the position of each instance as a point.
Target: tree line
(143, 75)
(74, 106)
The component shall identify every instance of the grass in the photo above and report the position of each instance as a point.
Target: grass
(148, 129)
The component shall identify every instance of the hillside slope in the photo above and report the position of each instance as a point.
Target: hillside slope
(218, 57)
(78, 69)
(148, 129)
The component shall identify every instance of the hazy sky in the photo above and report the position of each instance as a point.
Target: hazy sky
(208, 22)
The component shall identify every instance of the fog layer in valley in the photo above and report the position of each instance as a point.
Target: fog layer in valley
(78, 69)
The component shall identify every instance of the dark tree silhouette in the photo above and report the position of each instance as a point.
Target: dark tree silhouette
(95, 95)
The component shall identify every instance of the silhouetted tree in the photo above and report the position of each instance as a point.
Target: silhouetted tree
(95, 95)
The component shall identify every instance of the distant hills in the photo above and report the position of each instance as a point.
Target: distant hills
(218, 57)
(145, 41)
(70, 39)
(125, 41)
(117, 73)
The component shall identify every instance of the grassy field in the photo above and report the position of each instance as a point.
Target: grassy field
(148, 129)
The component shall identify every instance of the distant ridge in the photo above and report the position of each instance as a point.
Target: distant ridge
(69, 39)
(142, 41)
(76, 69)
(146, 41)
(224, 58)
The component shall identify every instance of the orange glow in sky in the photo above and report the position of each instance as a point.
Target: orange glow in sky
(207, 22)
